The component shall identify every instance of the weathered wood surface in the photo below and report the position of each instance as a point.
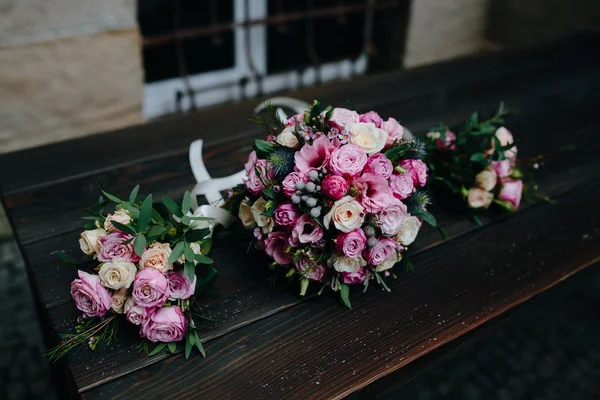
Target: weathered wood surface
(558, 103)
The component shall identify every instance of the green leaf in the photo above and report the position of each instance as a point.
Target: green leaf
(345, 295)
(264, 147)
(474, 119)
(157, 349)
(303, 285)
(395, 153)
(188, 346)
(189, 254)
(426, 216)
(501, 109)
(156, 230)
(172, 207)
(478, 158)
(133, 210)
(186, 203)
(197, 235)
(134, 193)
(112, 197)
(157, 217)
(185, 220)
(206, 245)
(68, 259)
(212, 274)
(94, 218)
(124, 228)
(145, 214)
(202, 259)
(172, 347)
(176, 253)
(201, 218)
(198, 344)
(189, 270)
(89, 225)
(139, 245)
(507, 205)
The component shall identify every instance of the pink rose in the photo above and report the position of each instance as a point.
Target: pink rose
(511, 191)
(251, 161)
(306, 230)
(390, 218)
(352, 278)
(348, 160)
(150, 288)
(394, 130)
(298, 118)
(503, 168)
(286, 214)
(379, 164)
(275, 246)
(383, 249)
(309, 269)
(341, 116)
(180, 286)
(314, 156)
(136, 314)
(165, 325)
(402, 186)
(351, 244)
(376, 193)
(89, 295)
(113, 249)
(371, 116)
(417, 171)
(289, 183)
(257, 176)
(335, 187)
(448, 144)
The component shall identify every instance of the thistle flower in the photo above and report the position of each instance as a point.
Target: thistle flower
(282, 162)
(419, 200)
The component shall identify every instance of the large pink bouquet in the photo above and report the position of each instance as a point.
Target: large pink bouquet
(334, 197)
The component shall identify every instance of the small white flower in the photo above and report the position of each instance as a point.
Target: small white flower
(287, 138)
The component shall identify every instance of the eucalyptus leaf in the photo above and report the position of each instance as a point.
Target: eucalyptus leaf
(139, 245)
(145, 214)
(189, 270)
(172, 346)
(197, 235)
(134, 193)
(198, 344)
(345, 295)
(206, 245)
(156, 230)
(478, 158)
(176, 253)
(94, 218)
(172, 207)
(202, 259)
(112, 197)
(89, 225)
(303, 285)
(123, 228)
(264, 147)
(188, 254)
(201, 218)
(157, 349)
(188, 346)
(68, 259)
(185, 220)
(426, 216)
(186, 203)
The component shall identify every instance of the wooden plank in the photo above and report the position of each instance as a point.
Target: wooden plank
(318, 350)
(91, 155)
(48, 211)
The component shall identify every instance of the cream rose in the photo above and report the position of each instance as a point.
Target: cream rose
(504, 136)
(157, 256)
(245, 214)
(88, 242)
(479, 198)
(266, 223)
(117, 302)
(195, 248)
(121, 216)
(346, 264)
(365, 135)
(486, 179)
(389, 263)
(117, 274)
(347, 214)
(409, 229)
(287, 138)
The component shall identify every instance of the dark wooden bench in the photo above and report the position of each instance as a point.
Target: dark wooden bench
(267, 341)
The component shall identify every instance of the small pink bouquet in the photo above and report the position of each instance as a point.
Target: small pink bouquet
(150, 259)
(333, 197)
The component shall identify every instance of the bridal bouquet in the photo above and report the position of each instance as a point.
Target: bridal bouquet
(333, 197)
(146, 260)
(479, 163)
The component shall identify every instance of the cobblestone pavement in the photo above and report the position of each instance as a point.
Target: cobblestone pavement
(549, 350)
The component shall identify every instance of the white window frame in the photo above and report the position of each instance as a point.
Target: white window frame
(159, 97)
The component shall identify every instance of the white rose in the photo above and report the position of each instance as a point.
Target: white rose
(266, 223)
(347, 215)
(479, 198)
(117, 301)
(389, 263)
(117, 274)
(89, 241)
(367, 136)
(121, 216)
(486, 179)
(245, 214)
(157, 256)
(195, 248)
(287, 138)
(433, 135)
(346, 264)
(409, 229)
(504, 136)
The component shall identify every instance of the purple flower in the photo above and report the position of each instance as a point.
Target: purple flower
(351, 244)
(310, 269)
(150, 288)
(286, 214)
(258, 177)
(165, 325)
(136, 314)
(306, 230)
(180, 286)
(402, 186)
(289, 183)
(113, 249)
(348, 160)
(89, 295)
(390, 218)
(379, 164)
(275, 246)
(352, 278)
(335, 187)
(383, 249)
(511, 191)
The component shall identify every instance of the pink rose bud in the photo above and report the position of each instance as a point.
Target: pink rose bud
(342, 116)
(250, 163)
(503, 168)
(373, 117)
(257, 176)
(180, 286)
(335, 187)
(89, 295)
(298, 118)
(150, 288)
(511, 191)
(394, 130)
(352, 278)
(379, 164)
(348, 160)
(289, 183)
(165, 325)
(113, 249)
(448, 144)
(417, 171)
(351, 244)
(402, 186)
(286, 214)
(275, 246)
